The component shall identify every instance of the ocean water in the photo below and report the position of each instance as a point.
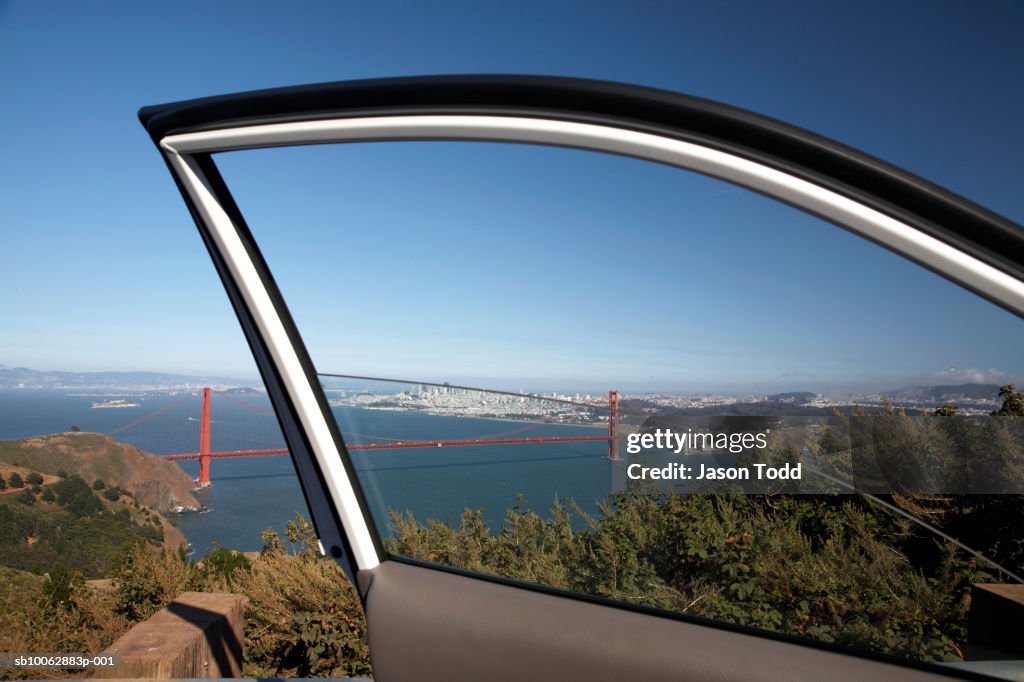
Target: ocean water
(251, 494)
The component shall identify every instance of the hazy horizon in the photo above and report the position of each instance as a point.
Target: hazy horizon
(568, 386)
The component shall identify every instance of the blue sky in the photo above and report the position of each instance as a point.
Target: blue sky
(103, 269)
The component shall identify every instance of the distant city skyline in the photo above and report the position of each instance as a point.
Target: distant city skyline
(603, 273)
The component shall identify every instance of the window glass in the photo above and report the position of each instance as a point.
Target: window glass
(621, 379)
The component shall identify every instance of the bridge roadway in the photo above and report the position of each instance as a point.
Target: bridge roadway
(401, 445)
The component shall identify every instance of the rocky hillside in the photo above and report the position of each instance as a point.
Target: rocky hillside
(154, 482)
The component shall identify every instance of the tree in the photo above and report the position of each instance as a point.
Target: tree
(3, 483)
(75, 428)
(15, 480)
(48, 495)
(34, 478)
(74, 493)
(1013, 402)
(947, 411)
(98, 484)
(26, 497)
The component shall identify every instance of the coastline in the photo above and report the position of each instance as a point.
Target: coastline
(508, 420)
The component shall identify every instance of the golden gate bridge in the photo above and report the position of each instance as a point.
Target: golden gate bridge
(205, 455)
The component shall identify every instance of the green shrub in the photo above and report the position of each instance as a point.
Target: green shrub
(304, 618)
(221, 563)
(98, 484)
(146, 581)
(15, 480)
(34, 478)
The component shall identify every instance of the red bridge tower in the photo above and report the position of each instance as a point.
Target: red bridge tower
(204, 441)
(613, 424)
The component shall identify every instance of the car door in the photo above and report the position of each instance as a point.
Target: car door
(433, 618)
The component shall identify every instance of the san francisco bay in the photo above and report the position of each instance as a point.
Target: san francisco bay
(251, 494)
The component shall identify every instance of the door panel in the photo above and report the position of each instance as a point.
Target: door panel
(430, 625)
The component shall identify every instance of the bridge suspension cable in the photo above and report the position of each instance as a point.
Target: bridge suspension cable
(138, 421)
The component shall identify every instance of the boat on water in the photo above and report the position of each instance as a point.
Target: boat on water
(110, 404)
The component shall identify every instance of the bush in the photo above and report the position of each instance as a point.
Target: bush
(98, 484)
(59, 585)
(221, 563)
(112, 494)
(3, 483)
(63, 616)
(15, 480)
(26, 497)
(34, 478)
(48, 496)
(146, 581)
(303, 618)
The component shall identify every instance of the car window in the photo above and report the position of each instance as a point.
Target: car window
(624, 380)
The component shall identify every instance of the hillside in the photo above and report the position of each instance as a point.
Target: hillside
(152, 481)
(80, 498)
(947, 393)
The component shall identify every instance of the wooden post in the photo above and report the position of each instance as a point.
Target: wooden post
(198, 635)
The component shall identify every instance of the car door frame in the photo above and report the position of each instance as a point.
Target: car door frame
(959, 240)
